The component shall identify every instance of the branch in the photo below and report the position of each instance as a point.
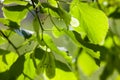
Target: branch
(27, 76)
(98, 4)
(9, 42)
(36, 11)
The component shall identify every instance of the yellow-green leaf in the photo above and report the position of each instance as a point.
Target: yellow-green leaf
(93, 21)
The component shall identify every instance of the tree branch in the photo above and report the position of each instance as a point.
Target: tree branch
(9, 42)
(36, 11)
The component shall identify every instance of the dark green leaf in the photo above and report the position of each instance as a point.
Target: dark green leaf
(4, 75)
(42, 64)
(62, 66)
(39, 53)
(50, 69)
(17, 68)
(4, 52)
(9, 23)
(115, 14)
(23, 32)
(108, 70)
(94, 47)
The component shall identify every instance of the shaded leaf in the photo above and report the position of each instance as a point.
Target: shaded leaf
(23, 32)
(50, 69)
(4, 59)
(108, 70)
(49, 42)
(4, 75)
(60, 11)
(4, 52)
(9, 23)
(115, 14)
(36, 25)
(42, 64)
(17, 68)
(94, 47)
(39, 53)
(62, 66)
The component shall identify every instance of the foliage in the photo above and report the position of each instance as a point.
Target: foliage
(59, 40)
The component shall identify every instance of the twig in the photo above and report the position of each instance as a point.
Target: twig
(98, 4)
(30, 11)
(53, 21)
(76, 63)
(36, 11)
(10, 42)
(27, 76)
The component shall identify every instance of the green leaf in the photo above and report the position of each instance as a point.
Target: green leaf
(91, 46)
(56, 32)
(50, 69)
(15, 13)
(9, 23)
(9, 59)
(62, 66)
(36, 26)
(108, 70)
(17, 68)
(60, 11)
(39, 53)
(23, 32)
(29, 68)
(93, 21)
(72, 36)
(3, 52)
(49, 42)
(4, 75)
(42, 64)
(62, 75)
(18, 2)
(64, 15)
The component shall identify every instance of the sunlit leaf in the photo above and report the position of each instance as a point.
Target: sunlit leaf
(29, 68)
(15, 13)
(62, 75)
(93, 21)
(85, 61)
(56, 32)
(54, 48)
(10, 59)
(15, 2)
